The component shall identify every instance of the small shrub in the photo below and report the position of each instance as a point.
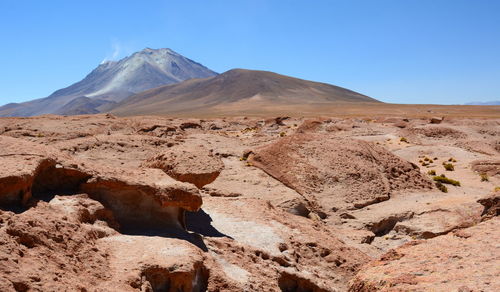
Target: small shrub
(496, 189)
(431, 172)
(484, 177)
(282, 134)
(426, 159)
(403, 139)
(441, 187)
(435, 158)
(445, 180)
(431, 161)
(449, 167)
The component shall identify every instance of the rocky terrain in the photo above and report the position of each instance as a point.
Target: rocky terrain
(106, 203)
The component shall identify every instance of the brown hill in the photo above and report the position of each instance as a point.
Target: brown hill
(235, 91)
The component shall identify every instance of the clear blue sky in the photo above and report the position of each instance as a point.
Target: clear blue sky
(405, 51)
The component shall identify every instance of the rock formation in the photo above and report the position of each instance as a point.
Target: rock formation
(247, 204)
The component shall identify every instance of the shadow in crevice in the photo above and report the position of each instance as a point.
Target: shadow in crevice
(126, 205)
(200, 222)
(168, 232)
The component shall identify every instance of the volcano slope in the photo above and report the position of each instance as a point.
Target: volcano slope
(100, 203)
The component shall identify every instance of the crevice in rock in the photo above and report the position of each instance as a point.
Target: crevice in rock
(48, 180)
(52, 179)
(386, 225)
(138, 209)
(288, 282)
(200, 222)
(133, 207)
(361, 205)
(491, 207)
(159, 279)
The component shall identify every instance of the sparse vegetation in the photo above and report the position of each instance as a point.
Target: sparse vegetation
(496, 189)
(484, 177)
(449, 166)
(282, 134)
(431, 172)
(426, 159)
(403, 139)
(441, 187)
(443, 179)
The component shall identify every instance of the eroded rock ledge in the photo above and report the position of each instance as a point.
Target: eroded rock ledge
(141, 196)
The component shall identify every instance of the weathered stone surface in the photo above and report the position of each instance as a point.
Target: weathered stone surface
(262, 248)
(436, 120)
(187, 163)
(134, 195)
(78, 205)
(488, 167)
(466, 259)
(52, 247)
(337, 173)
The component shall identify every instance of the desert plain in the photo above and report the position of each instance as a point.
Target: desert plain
(389, 198)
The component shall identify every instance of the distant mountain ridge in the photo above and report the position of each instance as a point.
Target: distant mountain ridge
(494, 102)
(113, 81)
(236, 90)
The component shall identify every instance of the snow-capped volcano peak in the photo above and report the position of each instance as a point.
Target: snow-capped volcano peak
(112, 81)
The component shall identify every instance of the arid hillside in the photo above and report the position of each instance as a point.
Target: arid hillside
(236, 90)
(358, 202)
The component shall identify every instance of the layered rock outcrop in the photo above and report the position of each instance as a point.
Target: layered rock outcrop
(337, 173)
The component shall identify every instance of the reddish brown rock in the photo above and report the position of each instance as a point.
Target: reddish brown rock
(436, 120)
(20, 163)
(468, 258)
(310, 125)
(253, 232)
(491, 205)
(188, 163)
(262, 248)
(136, 196)
(437, 132)
(488, 167)
(335, 172)
(401, 124)
(48, 248)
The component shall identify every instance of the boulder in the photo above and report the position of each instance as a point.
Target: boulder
(436, 120)
(489, 167)
(337, 172)
(188, 163)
